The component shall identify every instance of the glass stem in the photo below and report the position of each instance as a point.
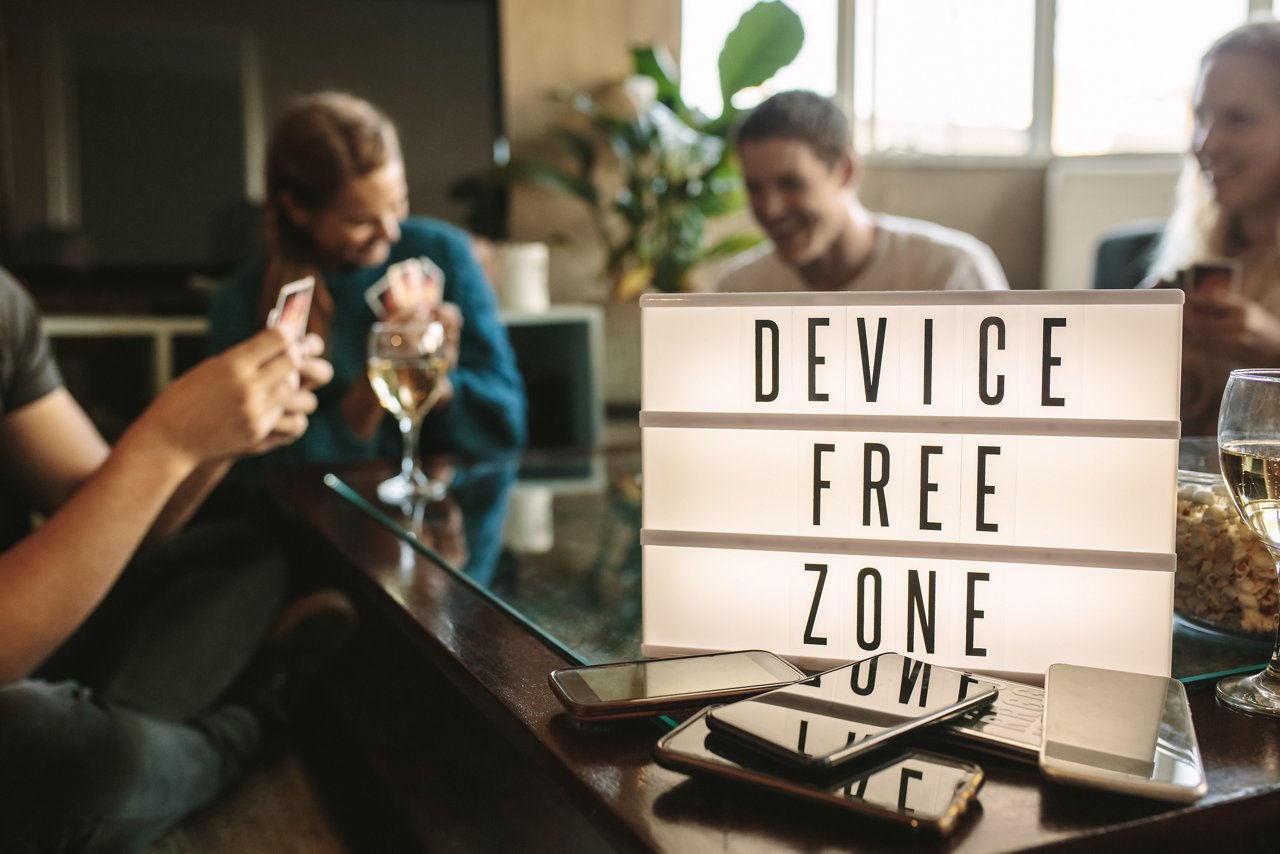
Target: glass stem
(409, 433)
(1273, 667)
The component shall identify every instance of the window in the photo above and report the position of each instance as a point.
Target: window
(989, 77)
(1124, 72)
(939, 77)
(706, 23)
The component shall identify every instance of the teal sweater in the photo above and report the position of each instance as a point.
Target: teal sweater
(487, 413)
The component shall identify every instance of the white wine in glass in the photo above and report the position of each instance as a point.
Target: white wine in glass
(1249, 451)
(407, 366)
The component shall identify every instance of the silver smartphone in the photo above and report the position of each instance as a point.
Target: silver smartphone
(920, 790)
(829, 719)
(653, 686)
(1125, 732)
(1011, 727)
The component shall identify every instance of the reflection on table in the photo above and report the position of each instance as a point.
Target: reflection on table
(554, 539)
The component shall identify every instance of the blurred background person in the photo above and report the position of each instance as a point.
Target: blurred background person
(801, 176)
(1229, 207)
(337, 208)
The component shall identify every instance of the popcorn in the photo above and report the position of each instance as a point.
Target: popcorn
(1225, 577)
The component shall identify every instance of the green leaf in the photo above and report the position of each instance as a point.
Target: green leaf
(729, 246)
(655, 62)
(768, 36)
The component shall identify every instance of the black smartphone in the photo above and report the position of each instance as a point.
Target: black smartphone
(1011, 727)
(635, 688)
(920, 790)
(829, 719)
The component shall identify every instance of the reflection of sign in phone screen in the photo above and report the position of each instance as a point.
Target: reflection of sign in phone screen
(676, 676)
(824, 717)
(921, 789)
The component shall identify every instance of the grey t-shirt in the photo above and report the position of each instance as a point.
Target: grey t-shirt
(908, 255)
(27, 373)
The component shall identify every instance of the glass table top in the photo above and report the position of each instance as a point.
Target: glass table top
(553, 539)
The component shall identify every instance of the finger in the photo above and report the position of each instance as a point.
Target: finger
(303, 401)
(312, 346)
(290, 426)
(263, 347)
(316, 373)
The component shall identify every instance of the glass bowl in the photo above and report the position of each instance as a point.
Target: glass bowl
(1226, 578)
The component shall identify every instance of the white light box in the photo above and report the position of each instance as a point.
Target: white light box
(984, 480)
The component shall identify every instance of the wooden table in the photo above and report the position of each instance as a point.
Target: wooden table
(605, 771)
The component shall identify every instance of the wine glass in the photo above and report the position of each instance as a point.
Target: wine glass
(1249, 451)
(407, 365)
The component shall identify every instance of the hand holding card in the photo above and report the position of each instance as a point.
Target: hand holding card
(412, 283)
(293, 307)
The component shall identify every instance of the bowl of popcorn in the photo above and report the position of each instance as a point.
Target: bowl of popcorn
(1226, 578)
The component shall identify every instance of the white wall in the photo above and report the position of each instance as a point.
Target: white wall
(1086, 196)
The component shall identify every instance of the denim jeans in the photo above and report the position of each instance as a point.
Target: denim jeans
(126, 729)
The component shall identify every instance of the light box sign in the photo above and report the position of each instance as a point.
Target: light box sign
(985, 480)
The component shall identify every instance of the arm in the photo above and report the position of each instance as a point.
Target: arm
(487, 412)
(246, 401)
(1233, 326)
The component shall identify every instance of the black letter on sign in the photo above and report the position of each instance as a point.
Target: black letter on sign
(1049, 361)
(907, 776)
(984, 488)
(928, 361)
(917, 608)
(983, 343)
(972, 613)
(821, 569)
(814, 358)
(871, 368)
(869, 485)
(761, 326)
(965, 682)
(874, 575)
(870, 665)
(819, 484)
(927, 486)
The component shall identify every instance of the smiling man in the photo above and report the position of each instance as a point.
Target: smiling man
(801, 176)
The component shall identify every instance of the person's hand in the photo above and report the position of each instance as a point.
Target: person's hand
(1232, 326)
(450, 317)
(314, 371)
(246, 400)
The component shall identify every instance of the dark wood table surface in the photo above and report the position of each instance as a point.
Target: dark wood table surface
(607, 770)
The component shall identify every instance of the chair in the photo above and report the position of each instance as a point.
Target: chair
(1125, 252)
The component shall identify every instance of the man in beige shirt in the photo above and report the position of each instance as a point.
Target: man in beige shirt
(801, 176)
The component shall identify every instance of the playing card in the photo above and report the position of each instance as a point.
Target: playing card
(293, 306)
(411, 282)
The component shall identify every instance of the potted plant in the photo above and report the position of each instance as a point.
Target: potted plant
(651, 170)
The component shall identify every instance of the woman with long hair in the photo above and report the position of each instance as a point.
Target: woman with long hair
(337, 210)
(1229, 207)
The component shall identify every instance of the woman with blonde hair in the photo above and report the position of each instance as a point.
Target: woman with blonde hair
(337, 209)
(1229, 208)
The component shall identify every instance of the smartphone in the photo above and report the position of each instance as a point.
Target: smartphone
(920, 790)
(1011, 727)
(829, 719)
(1125, 732)
(637, 688)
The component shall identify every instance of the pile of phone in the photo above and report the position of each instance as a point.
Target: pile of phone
(847, 736)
